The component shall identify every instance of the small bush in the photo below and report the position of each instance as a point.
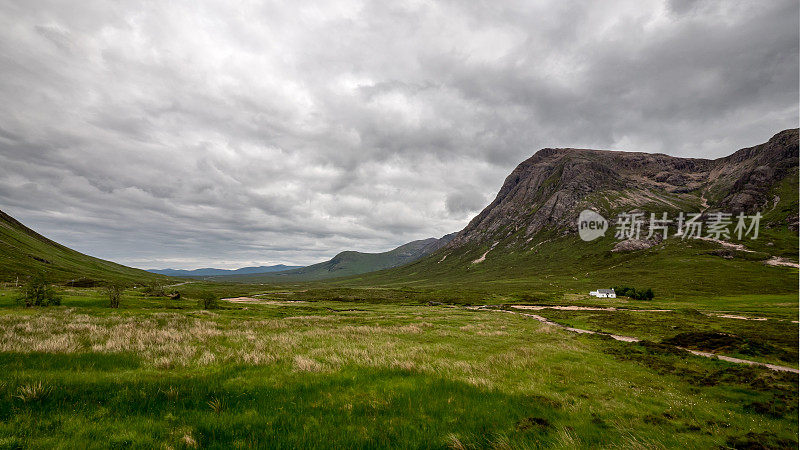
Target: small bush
(84, 282)
(209, 301)
(760, 440)
(114, 293)
(630, 292)
(38, 292)
(154, 289)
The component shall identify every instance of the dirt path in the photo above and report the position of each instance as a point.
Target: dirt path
(741, 361)
(772, 261)
(564, 327)
(737, 317)
(585, 308)
(261, 301)
(720, 314)
(726, 244)
(633, 339)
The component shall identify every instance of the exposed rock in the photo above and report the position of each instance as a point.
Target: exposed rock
(674, 179)
(778, 261)
(723, 253)
(632, 245)
(747, 176)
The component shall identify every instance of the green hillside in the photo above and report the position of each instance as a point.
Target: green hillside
(503, 259)
(24, 252)
(348, 263)
(567, 264)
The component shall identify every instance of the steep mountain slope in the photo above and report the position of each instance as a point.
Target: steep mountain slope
(549, 190)
(24, 252)
(353, 263)
(211, 271)
(527, 237)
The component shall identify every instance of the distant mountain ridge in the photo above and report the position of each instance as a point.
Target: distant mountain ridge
(353, 263)
(204, 272)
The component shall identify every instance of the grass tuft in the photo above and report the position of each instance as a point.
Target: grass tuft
(33, 392)
(216, 405)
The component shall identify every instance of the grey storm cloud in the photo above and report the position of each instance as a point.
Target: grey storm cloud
(465, 202)
(190, 133)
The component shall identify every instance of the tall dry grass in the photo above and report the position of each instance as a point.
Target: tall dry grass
(308, 343)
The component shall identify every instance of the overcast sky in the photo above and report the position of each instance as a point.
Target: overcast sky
(229, 133)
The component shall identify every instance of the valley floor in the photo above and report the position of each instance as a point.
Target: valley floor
(322, 373)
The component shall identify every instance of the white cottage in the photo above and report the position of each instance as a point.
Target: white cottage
(604, 293)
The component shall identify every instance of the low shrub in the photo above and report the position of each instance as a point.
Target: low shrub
(154, 289)
(209, 301)
(630, 292)
(114, 293)
(38, 292)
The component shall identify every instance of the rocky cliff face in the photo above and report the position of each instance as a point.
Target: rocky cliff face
(745, 177)
(548, 190)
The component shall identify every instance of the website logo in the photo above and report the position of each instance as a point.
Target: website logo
(591, 225)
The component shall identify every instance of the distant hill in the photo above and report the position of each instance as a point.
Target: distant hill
(209, 271)
(351, 263)
(527, 238)
(24, 252)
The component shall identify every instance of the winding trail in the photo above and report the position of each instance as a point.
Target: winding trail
(722, 315)
(585, 308)
(261, 301)
(630, 338)
(741, 361)
(772, 261)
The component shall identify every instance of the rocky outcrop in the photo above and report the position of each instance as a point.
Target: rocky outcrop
(632, 245)
(746, 177)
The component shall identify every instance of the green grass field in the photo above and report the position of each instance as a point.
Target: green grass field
(381, 368)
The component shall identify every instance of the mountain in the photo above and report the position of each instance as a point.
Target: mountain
(210, 271)
(549, 190)
(353, 263)
(24, 252)
(527, 236)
